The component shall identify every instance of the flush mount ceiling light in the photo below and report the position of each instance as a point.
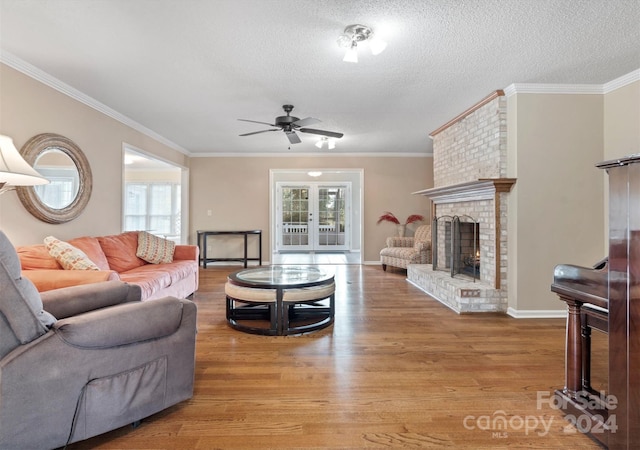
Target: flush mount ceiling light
(331, 143)
(354, 34)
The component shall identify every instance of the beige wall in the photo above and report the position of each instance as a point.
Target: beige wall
(621, 131)
(556, 209)
(622, 121)
(153, 175)
(236, 190)
(27, 108)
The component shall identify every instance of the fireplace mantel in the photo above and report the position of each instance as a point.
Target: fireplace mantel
(482, 189)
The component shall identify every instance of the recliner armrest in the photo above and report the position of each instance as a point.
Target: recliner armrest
(123, 324)
(74, 300)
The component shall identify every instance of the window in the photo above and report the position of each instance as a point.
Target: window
(153, 207)
(153, 196)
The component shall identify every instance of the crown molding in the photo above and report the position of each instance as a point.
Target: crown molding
(622, 81)
(588, 89)
(312, 155)
(532, 88)
(39, 75)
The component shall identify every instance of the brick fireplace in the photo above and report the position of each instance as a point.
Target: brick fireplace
(470, 184)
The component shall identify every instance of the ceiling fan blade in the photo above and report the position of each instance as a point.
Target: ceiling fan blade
(332, 134)
(255, 121)
(257, 132)
(293, 137)
(306, 121)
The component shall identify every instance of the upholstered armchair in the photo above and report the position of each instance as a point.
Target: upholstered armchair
(80, 361)
(402, 251)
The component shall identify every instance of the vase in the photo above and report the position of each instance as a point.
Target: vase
(401, 230)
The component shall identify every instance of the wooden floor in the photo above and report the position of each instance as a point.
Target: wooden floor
(397, 369)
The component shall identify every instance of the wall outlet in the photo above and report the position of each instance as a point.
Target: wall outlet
(209, 212)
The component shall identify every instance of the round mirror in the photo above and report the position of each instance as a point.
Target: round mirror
(64, 180)
(61, 161)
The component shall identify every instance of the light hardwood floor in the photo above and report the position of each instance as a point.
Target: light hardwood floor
(397, 369)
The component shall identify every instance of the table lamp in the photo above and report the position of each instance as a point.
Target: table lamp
(14, 170)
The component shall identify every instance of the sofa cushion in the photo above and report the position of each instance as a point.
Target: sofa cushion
(406, 253)
(47, 280)
(151, 278)
(179, 270)
(154, 249)
(37, 257)
(91, 247)
(120, 250)
(69, 257)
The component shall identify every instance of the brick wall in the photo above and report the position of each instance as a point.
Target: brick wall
(473, 148)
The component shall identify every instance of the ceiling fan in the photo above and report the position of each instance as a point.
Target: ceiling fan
(290, 124)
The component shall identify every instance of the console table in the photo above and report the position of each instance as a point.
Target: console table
(203, 235)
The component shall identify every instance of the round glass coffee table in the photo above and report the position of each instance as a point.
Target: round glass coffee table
(280, 300)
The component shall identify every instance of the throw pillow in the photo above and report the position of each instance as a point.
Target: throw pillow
(154, 249)
(69, 257)
(120, 251)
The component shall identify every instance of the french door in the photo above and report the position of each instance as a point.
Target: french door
(312, 216)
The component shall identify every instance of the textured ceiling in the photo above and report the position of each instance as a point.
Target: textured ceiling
(188, 69)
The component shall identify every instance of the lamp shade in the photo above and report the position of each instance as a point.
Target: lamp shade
(14, 170)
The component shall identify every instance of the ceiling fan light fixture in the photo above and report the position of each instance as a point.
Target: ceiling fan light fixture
(331, 143)
(353, 34)
(345, 41)
(351, 55)
(376, 45)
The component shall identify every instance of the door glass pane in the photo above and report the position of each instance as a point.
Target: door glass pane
(294, 219)
(331, 216)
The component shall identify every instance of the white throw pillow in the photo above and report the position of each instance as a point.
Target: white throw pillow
(69, 257)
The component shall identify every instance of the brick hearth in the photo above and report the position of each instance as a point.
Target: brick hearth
(460, 293)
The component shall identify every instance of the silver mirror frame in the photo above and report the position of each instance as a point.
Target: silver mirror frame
(30, 151)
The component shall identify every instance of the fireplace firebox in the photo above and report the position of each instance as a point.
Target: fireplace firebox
(456, 245)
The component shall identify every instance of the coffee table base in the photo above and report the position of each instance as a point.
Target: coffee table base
(292, 311)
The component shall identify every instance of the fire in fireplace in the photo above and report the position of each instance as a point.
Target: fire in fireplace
(457, 240)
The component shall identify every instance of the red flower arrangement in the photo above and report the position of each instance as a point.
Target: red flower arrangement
(389, 217)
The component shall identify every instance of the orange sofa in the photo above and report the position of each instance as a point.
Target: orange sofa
(115, 255)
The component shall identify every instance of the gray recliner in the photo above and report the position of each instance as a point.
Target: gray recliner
(81, 361)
